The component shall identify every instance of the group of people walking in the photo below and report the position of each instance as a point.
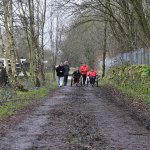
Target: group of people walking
(84, 72)
(63, 72)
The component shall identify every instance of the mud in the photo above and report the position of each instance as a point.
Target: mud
(77, 118)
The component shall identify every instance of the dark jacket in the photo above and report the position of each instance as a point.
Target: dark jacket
(66, 69)
(76, 74)
(60, 70)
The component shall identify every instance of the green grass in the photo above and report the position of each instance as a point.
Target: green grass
(23, 99)
(10, 108)
(38, 93)
(130, 79)
(139, 92)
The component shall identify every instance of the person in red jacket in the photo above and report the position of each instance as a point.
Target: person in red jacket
(84, 69)
(92, 76)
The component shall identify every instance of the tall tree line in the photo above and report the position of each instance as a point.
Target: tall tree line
(97, 28)
(29, 18)
(122, 25)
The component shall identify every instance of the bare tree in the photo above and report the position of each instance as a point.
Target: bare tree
(43, 16)
(124, 20)
(9, 29)
(55, 34)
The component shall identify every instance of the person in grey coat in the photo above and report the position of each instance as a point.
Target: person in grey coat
(66, 73)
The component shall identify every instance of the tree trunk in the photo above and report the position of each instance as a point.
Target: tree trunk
(34, 52)
(42, 40)
(8, 23)
(104, 50)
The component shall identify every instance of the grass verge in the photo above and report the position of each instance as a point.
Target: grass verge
(22, 100)
(131, 79)
(137, 95)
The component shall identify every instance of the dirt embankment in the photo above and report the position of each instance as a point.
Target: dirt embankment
(139, 110)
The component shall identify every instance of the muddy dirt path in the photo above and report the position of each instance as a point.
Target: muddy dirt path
(77, 118)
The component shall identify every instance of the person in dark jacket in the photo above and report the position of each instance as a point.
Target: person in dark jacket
(60, 70)
(76, 75)
(66, 73)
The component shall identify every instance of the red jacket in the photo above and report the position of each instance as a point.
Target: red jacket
(92, 74)
(84, 69)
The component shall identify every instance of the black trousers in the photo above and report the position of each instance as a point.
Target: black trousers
(65, 80)
(92, 80)
(84, 78)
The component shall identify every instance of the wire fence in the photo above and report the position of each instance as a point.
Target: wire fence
(139, 56)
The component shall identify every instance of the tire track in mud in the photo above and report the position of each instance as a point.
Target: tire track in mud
(77, 118)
